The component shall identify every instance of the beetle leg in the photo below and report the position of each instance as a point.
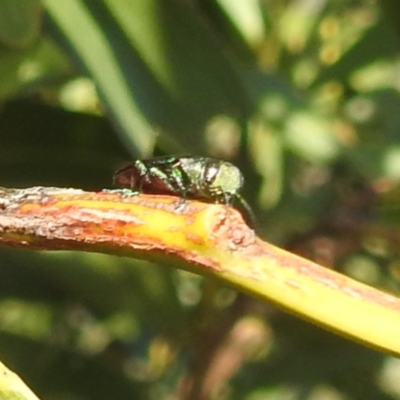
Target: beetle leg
(179, 180)
(126, 193)
(167, 178)
(181, 204)
(143, 175)
(228, 199)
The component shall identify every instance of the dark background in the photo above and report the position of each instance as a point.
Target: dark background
(303, 96)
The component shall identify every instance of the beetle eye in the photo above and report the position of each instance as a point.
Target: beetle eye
(126, 177)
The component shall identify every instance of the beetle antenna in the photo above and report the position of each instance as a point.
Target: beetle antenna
(249, 211)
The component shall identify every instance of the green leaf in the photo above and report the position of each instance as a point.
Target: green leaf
(156, 64)
(89, 42)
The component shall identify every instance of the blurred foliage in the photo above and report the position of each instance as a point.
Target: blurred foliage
(302, 95)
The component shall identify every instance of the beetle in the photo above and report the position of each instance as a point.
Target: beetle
(189, 177)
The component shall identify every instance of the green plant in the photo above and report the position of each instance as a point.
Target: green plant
(301, 96)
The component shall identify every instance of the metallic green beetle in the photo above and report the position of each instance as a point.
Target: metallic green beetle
(190, 177)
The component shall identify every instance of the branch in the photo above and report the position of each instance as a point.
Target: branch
(203, 238)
